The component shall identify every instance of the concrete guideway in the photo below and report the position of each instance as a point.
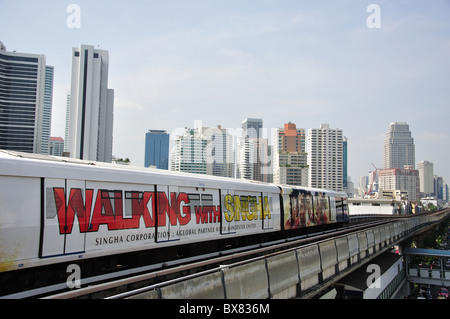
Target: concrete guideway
(302, 272)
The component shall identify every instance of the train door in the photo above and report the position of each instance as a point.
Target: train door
(271, 218)
(229, 210)
(333, 208)
(64, 218)
(77, 214)
(200, 213)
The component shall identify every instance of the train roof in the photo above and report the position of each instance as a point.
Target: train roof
(38, 165)
(312, 190)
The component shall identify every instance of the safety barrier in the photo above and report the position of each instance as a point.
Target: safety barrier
(293, 273)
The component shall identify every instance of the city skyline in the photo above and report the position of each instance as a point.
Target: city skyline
(223, 61)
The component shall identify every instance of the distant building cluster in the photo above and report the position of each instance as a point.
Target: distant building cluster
(399, 179)
(249, 154)
(315, 158)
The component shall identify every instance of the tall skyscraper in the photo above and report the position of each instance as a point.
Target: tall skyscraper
(26, 89)
(253, 152)
(157, 149)
(252, 128)
(325, 158)
(289, 156)
(219, 151)
(438, 183)
(345, 163)
(426, 174)
(47, 114)
(399, 149)
(91, 106)
(189, 152)
(66, 131)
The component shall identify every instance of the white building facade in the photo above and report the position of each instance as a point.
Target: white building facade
(253, 156)
(426, 175)
(91, 111)
(325, 158)
(403, 180)
(189, 152)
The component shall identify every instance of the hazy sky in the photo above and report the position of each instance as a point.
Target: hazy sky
(220, 61)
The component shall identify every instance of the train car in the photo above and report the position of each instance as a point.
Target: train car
(55, 210)
(305, 207)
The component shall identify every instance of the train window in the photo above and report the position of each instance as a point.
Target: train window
(111, 194)
(194, 197)
(305, 208)
(131, 196)
(321, 209)
(134, 195)
(207, 197)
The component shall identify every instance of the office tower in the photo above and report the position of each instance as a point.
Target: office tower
(426, 178)
(401, 180)
(374, 182)
(289, 156)
(47, 113)
(345, 163)
(325, 158)
(219, 151)
(66, 130)
(56, 146)
(189, 152)
(26, 88)
(91, 106)
(253, 152)
(438, 183)
(252, 128)
(157, 149)
(363, 185)
(399, 147)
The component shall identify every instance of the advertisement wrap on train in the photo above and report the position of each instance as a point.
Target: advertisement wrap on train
(114, 217)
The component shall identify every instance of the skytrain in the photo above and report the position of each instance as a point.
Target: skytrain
(57, 210)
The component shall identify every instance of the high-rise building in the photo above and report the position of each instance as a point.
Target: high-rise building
(47, 113)
(289, 156)
(363, 185)
(438, 182)
(26, 89)
(404, 180)
(399, 149)
(426, 174)
(253, 152)
(66, 131)
(345, 163)
(56, 146)
(91, 106)
(157, 149)
(252, 128)
(219, 151)
(189, 152)
(325, 157)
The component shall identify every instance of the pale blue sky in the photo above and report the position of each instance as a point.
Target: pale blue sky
(220, 61)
